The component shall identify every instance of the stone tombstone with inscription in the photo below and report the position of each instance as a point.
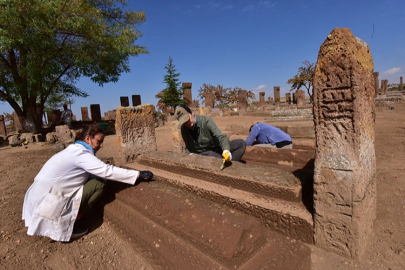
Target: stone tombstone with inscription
(345, 164)
(401, 87)
(261, 98)
(53, 117)
(208, 100)
(277, 95)
(242, 100)
(124, 101)
(187, 95)
(95, 112)
(85, 113)
(136, 100)
(135, 129)
(376, 84)
(294, 98)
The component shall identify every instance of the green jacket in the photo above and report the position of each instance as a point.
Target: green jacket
(209, 137)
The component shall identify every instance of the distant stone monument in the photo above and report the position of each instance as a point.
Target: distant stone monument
(400, 84)
(135, 129)
(277, 95)
(345, 165)
(261, 98)
(85, 113)
(95, 112)
(3, 131)
(376, 84)
(294, 98)
(288, 98)
(187, 95)
(106, 116)
(136, 100)
(208, 100)
(112, 115)
(300, 95)
(124, 101)
(242, 100)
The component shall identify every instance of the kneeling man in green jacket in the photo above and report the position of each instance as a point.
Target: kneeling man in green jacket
(202, 136)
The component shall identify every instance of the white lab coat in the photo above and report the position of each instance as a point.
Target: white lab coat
(52, 202)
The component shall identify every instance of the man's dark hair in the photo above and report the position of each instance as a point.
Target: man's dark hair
(90, 130)
(186, 108)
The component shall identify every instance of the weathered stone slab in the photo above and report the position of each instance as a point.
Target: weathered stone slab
(300, 96)
(3, 131)
(376, 84)
(242, 101)
(63, 133)
(345, 165)
(54, 117)
(208, 101)
(135, 129)
(200, 175)
(290, 114)
(124, 101)
(136, 100)
(178, 143)
(95, 112)
(277, 95)
(85, 113)
(261, 98)
(187, 94)
(288, 98)
(271, 182)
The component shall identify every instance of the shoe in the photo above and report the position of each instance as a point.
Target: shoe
(78, 232)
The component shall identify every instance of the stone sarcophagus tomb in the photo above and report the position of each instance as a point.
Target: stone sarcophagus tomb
(345, 164)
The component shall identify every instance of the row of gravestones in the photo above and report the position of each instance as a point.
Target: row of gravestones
(345, 163)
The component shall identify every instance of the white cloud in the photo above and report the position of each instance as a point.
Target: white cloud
(266, 4)
(260, 87)
(249, 7)
(392, 71)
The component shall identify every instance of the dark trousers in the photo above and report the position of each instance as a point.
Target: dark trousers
(92, 191)
(237, 150)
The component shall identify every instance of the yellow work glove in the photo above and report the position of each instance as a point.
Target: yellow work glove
(226, 156)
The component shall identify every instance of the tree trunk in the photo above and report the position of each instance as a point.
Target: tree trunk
(30, 124)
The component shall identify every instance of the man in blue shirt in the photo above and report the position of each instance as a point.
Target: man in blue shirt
(265, 135)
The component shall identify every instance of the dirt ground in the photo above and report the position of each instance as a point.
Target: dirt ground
(103, 249)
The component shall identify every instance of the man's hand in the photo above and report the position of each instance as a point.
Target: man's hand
(145, 175)
(227, 156)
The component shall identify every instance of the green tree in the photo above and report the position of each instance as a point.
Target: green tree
(172, 95)
(46, 46)
(303, 78)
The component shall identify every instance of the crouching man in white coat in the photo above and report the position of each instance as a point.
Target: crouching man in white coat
(68, 185)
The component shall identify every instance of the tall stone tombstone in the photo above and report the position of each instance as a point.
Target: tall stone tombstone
(187, 95)
(294, 98)
(124, 101)
(208, 100)
(345, 164)
(288, 98)
(136, 100)
(400, 84)
(300, 96)
(85, 113)
(135, 129)
(376, 83)
(106, 116)
(384, 87)
(95, 112)
(242, 100)
(53, 117)
(261, 99)
(277, 95)
(3, 131)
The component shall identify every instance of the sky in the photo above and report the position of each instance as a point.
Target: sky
(251, 44)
